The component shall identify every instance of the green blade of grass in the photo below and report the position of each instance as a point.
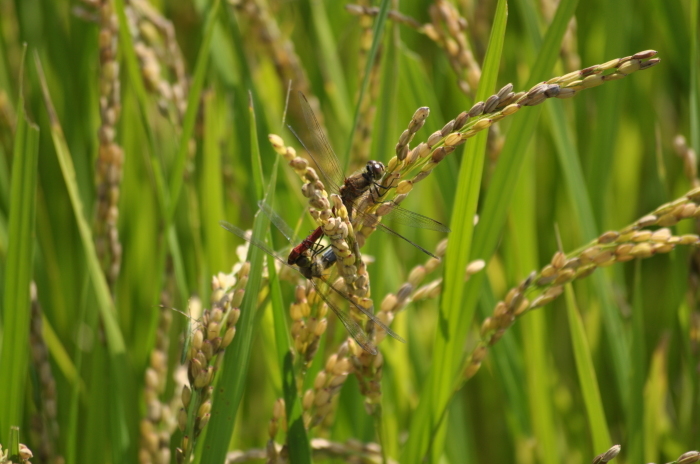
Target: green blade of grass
(536, 348)
(527, 10)
(195, 94)
(500, 194)
(636, 360)
(14, 444)
(167, 193)
(486, 237)
(509, 365)
(60, 356)
(256, 159)
(580, 198)
(656, 391)
(230, 383)
(331, 65)
(581, 205)
(72, 430)
(609, 108)
(133, 71)
(511, 159)
(14, 358)
(212, 189)
(378, 34)
(454, 317)
(501, 190)
(297, 438)
(569, 161)
(694, 96)
(115, 342)
(587, 379)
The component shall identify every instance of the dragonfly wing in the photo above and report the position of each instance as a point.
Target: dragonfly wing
(277, 220)
(320, 149)
(369, 314)
(409, 218)
(384, 228)
(353, 328)
(263, 246)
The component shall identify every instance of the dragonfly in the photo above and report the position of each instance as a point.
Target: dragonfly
(311, 266)
(311, 242)
(351, 188)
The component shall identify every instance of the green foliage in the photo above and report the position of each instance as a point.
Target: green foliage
(454, 319)
(611, 361)
(15, 363)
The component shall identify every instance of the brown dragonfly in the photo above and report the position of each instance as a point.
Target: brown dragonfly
(311, 265)
(351, 188)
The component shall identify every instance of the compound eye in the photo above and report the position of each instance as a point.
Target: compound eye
(377, 170)
(303, 261)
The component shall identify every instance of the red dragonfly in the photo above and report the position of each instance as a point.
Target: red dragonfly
(309, 243)
(351, 188)
(311, 266)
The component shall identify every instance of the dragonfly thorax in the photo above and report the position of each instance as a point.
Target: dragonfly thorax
(314, 265)
(302, 261)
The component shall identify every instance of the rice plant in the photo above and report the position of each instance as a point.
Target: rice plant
(533, 166)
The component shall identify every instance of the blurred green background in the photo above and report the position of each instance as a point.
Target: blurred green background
(528, 403)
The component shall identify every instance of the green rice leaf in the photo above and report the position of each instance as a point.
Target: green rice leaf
(579, 197)
(331, 65)
(377, 37)
(211, 186)
(588, 381)
(167, 198)
(502, 187)
(509, 365)
(195, 94)
(297, 438)
(115, 343)
(14, 444)
(16, 301)
(230, 383)
(656, 391)
(63, 360)
(256, 161)
(455, 317)
(511, 160)
(634, 406)
(694, 95)
(134, 71)
(522, 238)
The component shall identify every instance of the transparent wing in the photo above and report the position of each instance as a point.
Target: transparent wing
(320, 149)
(405, 217)
(353, 328)
(368, 313)
(409, 218)
(277, 220)
(384, 228)
(263, 246)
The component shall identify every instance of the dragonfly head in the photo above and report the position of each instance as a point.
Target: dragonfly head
(374, 170)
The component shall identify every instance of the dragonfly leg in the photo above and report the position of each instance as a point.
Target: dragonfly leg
(374, 192)
(317, 247)
(377, 190)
